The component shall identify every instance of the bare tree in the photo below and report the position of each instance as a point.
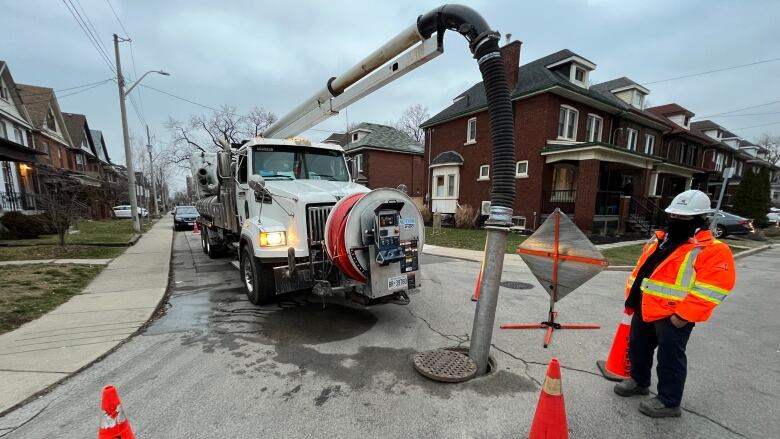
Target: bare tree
(772, 144)
(63, 201)
(410, 122)
(203, 133)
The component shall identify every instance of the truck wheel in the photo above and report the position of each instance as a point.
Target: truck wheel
(213, 250)
(257, 278)
(203, 239)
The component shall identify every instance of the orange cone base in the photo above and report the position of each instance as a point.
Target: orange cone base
(120, 431)
(602, 365)
(550, 417)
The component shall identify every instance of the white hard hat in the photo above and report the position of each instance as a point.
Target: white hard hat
(690, 203)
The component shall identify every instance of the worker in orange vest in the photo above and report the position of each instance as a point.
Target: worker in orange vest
(681, 276)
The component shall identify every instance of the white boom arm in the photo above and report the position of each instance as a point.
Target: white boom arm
(359, 81)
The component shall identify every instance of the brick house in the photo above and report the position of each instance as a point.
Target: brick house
(382, 156)
(86, 164)
(17, 156)
(50, 134)
(592, 151)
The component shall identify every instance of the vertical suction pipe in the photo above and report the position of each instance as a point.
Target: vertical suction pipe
(483, 43)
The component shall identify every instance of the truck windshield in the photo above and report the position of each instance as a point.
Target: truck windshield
(298, 163)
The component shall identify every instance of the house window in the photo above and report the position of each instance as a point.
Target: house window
(50, 121)
(3, 132)
(632, 136)
(19, 135)
(567, 123)
(593, 128)
(579, 74)
(649, 144)
(638, 100)
(739, 169)
(358, 163)
(521, 169)
(440, 186)
(59, 152)
(3, 91)
(45, 147)
(719, 158)
(484, 172)
(471, 130)
(451, 185)
(355, 137)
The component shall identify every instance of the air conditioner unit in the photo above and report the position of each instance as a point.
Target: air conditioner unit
(518, 222)
(485, 208)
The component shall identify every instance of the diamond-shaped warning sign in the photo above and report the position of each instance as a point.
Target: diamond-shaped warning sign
(560, 256)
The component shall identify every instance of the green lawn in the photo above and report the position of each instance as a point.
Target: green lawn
(73, 251)
(627, 255)
(30, 291)
(109, 231)
(471, 239)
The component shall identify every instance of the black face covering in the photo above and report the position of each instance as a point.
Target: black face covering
(680, 230)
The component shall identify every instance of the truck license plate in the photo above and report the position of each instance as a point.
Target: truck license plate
(396, 283)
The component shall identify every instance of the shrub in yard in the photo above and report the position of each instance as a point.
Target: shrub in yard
(465, 216)
(20, 226)
(751, 199)
(427, 215)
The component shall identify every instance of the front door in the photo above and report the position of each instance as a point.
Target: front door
(445, 183)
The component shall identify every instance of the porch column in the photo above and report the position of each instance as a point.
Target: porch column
(688, 183)
(587, 188)
(653, 184)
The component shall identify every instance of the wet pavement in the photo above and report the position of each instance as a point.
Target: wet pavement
(214, 365)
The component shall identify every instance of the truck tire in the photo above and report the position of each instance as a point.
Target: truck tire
(203, 238)
(257, 278)
(214, 250)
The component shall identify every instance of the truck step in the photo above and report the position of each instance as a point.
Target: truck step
(235, 264)
(234, 244)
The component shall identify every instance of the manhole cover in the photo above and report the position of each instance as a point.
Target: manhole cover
(516, 285)
(444, 365)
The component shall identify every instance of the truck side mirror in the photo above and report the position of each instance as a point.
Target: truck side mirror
(257, 183)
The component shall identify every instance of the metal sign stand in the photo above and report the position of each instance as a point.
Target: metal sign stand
(551, 325)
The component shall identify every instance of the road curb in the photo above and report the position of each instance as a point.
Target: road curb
(742, 254)
(141, 328)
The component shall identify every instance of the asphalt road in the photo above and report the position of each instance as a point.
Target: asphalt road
(216, 366)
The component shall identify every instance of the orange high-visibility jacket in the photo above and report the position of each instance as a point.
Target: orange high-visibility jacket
(690, 282)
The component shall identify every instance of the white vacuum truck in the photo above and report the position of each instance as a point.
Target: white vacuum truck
(290, 211)
(289, 208)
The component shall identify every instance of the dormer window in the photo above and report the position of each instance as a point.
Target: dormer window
(575, 68)
(579, 74)
(354, 137)
(638, 100)
(50, 121)
(4, 91)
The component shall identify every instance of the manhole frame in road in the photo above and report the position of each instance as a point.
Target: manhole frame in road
(445, 365)
(516, 285)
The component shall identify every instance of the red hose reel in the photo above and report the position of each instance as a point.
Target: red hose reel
(335, 236)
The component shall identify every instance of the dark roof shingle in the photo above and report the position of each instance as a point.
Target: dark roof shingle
(384, 137)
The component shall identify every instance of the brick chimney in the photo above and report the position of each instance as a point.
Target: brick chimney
(510, 54)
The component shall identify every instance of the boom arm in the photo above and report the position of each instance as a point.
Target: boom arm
(366, 76)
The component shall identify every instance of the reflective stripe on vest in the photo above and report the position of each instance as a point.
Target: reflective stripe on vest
(663, 289)
(686, 275)
(709, 292)
(630, 281)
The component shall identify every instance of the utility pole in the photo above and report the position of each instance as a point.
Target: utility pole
(120, 80)
(151, 172)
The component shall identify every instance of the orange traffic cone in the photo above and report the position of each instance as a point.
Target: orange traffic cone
(196, 229)
(618, 367)
(550, 417)
(114, 424)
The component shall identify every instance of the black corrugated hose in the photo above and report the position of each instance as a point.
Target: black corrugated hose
(502, 127)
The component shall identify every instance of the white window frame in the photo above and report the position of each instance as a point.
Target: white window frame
(3, 130)
(641, 96)
(80, 159)
(519, 174)
(19, 136)
(589, 133)
(358, 163)
(4, 94)
(720, 158)
(443, 186)
(649, 146)
(573, 75)
(471, 133)
(629, 137)
(569, 110)
(484, 173)
(355, 137)
(451, 179)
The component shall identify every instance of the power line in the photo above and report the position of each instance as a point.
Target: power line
(95, 33)
(90, 37)
(113, 11)
(25, 102)
(749, 114)
(757, 126)
(739, 109)
(712, 71)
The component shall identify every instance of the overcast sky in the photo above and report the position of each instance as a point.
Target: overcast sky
(273, 54)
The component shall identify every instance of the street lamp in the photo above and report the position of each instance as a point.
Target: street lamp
(125, 133)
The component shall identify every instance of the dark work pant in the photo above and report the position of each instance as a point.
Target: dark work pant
(672, 363)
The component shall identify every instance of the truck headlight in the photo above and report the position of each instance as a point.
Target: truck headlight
(272, 239)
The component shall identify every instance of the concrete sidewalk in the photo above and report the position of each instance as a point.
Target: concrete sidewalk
(110, 309)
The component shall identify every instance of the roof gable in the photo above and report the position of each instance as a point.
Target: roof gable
(384, 137)
(78, 129)
(100, 145)
(12, 107)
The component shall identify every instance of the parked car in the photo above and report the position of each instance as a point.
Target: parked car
(123, 211)
(774, 216)
(730, 224)
(184, 217)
